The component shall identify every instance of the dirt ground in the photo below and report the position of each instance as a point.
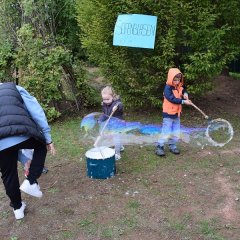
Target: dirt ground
(192, 196)
(224, 97)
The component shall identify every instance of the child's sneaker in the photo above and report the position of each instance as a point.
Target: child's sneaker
(45, 170)
(19, 213)
(33, 190)
(173, 149)
(117, 157)
(160, 151)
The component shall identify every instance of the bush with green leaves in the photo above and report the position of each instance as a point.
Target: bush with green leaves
(40, 40)
(199, 37)
(5, 56)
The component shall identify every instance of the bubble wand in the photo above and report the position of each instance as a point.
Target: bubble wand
(101, 133)
(211, 123)
(205, 116)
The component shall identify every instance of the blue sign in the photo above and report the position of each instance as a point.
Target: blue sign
(135, 30)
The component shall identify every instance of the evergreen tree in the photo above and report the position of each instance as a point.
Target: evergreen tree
(199, 37)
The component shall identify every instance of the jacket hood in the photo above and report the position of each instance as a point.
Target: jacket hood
(171, 74)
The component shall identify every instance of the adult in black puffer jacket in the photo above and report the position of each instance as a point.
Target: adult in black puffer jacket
(23, 125)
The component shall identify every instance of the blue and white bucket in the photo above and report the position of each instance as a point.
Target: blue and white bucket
(101, 163)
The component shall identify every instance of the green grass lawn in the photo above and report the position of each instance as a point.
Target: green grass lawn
(190, 196)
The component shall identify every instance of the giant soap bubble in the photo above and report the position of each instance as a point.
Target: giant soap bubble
(218, 132)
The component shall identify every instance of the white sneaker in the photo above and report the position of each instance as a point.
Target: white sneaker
(117, 157)
(122, 148)
(33, 190)
(19, 213)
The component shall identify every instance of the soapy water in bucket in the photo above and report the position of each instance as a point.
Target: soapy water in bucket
(218, 132)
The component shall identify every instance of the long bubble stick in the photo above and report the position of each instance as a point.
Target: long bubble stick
(101, 133)
(205, 116)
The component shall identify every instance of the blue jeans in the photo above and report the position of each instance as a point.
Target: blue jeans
(117, 143)
(170, 132)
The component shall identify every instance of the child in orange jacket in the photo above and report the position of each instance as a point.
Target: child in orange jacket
(174, 96)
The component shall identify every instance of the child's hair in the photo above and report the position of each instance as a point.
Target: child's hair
(179, 75)
(109, 90)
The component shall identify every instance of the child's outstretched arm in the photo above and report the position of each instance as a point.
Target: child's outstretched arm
(187, 102)
(168, 94)
(120, 106)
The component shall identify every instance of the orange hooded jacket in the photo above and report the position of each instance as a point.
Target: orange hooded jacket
(172, 103)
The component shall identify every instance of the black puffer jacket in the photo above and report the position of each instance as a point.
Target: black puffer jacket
(107, 110)
(14, 118)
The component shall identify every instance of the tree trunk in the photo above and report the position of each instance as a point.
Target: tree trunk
(71, 81)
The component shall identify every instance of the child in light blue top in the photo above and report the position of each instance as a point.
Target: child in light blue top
(25, 157)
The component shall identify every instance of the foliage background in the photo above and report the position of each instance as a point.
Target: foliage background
(47, 45)
(40, 47)
(199, 37)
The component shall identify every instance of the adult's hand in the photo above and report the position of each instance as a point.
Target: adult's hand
(51, 148)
